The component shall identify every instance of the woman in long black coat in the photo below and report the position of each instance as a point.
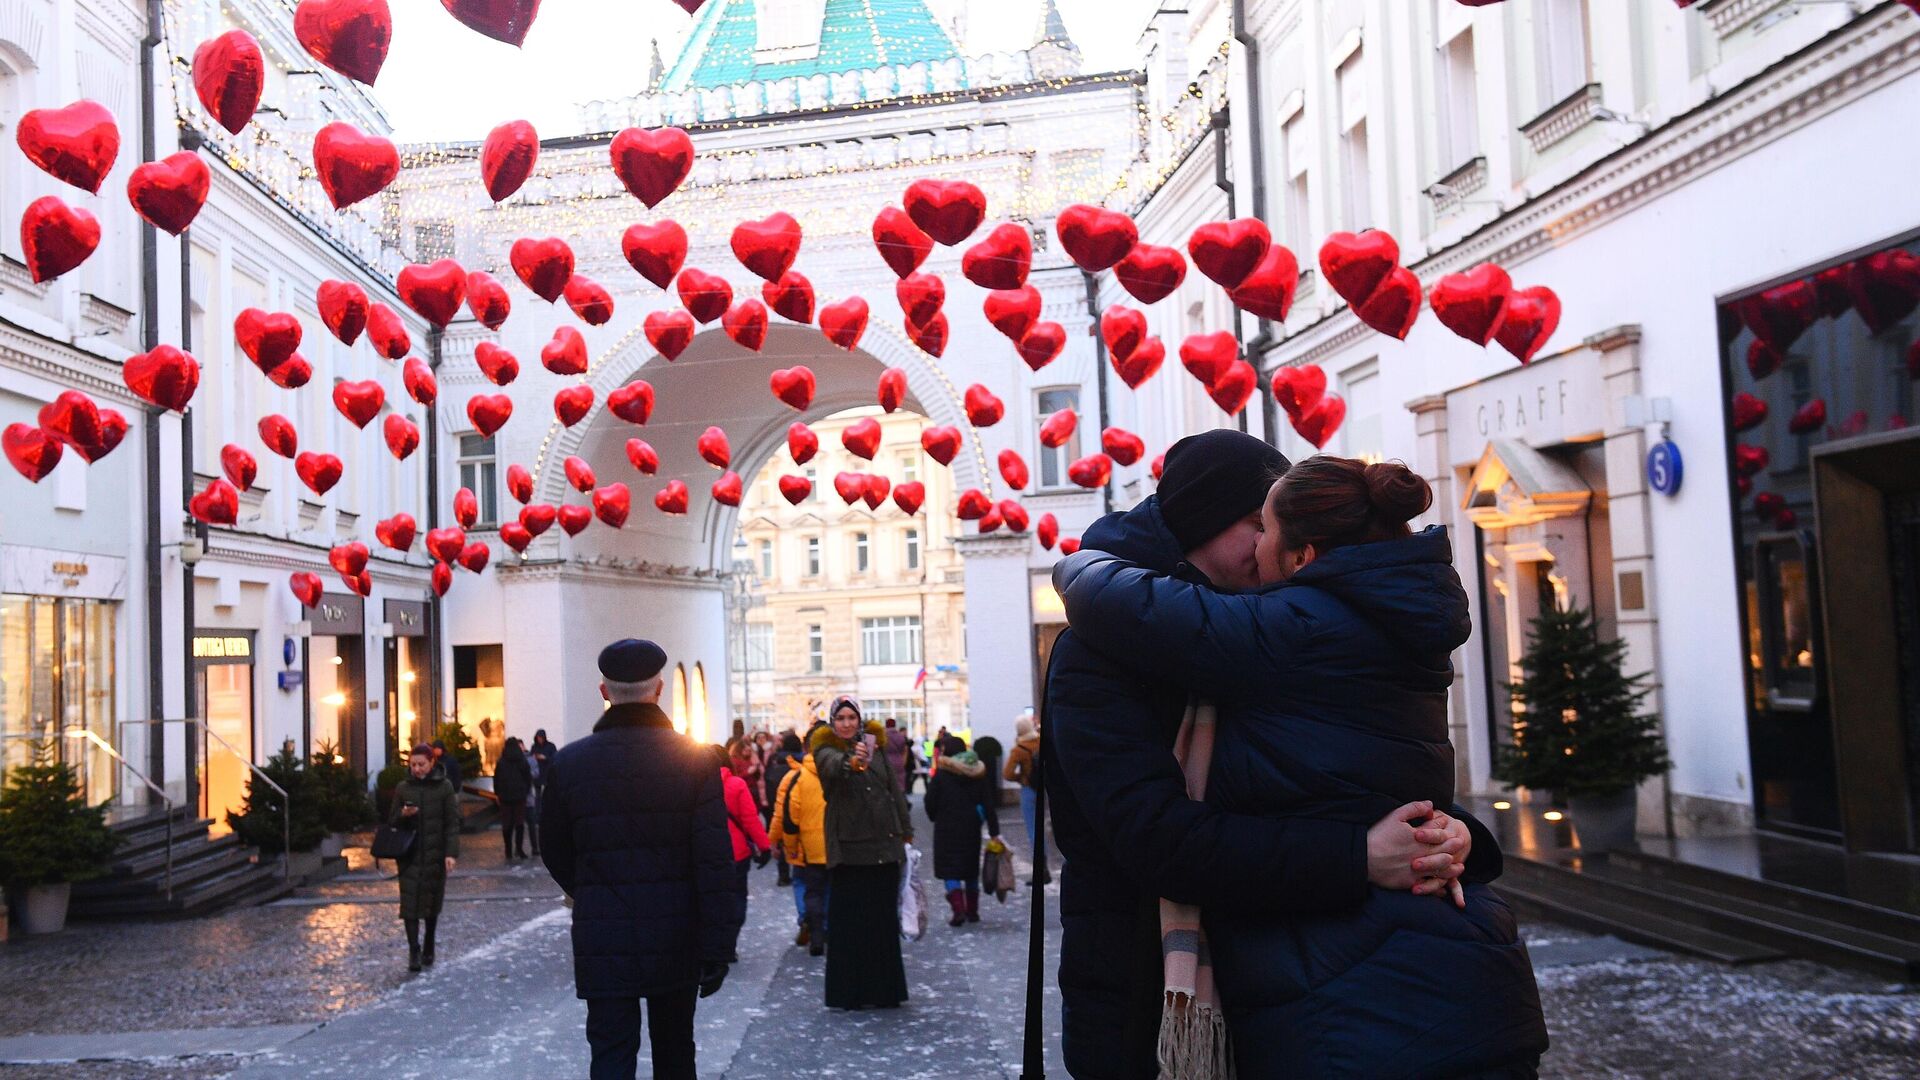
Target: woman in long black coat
(867, 829)
(425, 803)
(959, 798)
(512, 784)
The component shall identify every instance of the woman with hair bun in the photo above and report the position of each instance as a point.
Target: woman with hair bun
(1325, 696)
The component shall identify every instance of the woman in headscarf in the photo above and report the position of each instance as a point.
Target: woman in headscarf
(867, 829)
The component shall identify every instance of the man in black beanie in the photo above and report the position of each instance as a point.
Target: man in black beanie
(1125, 827)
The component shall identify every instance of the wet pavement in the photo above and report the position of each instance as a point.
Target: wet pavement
(316, 986)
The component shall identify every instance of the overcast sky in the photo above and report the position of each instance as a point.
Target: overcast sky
(445, 82)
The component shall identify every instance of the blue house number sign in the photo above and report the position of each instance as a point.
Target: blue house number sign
(1664, 467)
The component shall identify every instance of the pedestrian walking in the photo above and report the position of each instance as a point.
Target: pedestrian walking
(786, 758)
(743, 759)
(867, 828)
(540, 755)
(897, 747)
(424, 803)
(513, 786)
(960, 796)
(1020, 769)
(800, 808)
(751, 847)
(449, 764)
(635, 832)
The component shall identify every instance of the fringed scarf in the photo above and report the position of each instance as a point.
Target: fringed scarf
(1193, 1030)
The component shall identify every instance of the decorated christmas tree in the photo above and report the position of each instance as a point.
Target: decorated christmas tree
(1577, 725)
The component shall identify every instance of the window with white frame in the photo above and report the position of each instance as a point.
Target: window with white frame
(1456, 101)
(909, 466)
(1356, 173)
(816, 649)
(759, 646)
(913, 549)
(812, 474)
(910, 714)
(1054, 460)
(1561, 49)
(891, 639)
(766, 559)
(1363, 433)
(862, 553)
(478, 470)
(813, 556)
(1298, 153)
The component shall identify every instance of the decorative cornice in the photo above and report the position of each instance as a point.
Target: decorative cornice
(104, 314)
(254, 549)
(1460, 183)
(60, 362)
(1729, 16)
(611, 571)
(996, 544)
(15, 276)
(1616, 337)
(1562, 119)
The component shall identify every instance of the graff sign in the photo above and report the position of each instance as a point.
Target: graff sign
(1555, 401)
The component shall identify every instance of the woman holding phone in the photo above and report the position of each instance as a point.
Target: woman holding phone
(425, 803)
(868, 828)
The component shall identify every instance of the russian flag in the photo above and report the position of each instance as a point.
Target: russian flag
(920, 679)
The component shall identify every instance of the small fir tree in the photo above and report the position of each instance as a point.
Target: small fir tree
(48, 833)
(1577, 725)
(341, 790)
(259, 821)
(461, 747)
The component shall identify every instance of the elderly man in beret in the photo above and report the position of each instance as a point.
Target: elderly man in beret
(635, 831)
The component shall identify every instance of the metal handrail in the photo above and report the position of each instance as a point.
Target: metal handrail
(87, 733)
(286, 801)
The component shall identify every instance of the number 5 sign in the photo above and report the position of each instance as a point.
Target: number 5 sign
(1664, 467)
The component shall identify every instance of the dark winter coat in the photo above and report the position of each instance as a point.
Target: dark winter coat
(894, 743)
(542, 752)
(867, 817)
(635, 830)
(1332, 696)
(959, 798)
(423, 872)
(512, 776)
(777, 768)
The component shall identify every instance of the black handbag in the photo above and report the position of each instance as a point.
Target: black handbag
(393, 842)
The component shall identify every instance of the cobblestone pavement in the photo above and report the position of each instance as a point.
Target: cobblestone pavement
(500, 1002)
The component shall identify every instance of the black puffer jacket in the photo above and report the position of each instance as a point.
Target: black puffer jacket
(512, 776)
(635, 830)
(960, 798)
(1332, 697)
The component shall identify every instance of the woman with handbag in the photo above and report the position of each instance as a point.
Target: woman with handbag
(959, 797)
(424, 806)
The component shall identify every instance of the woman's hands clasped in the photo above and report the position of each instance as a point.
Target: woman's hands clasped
(1426, 859)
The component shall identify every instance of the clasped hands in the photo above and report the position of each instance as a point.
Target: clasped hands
(1426, 859)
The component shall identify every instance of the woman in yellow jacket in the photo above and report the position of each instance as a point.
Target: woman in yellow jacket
(800, 830)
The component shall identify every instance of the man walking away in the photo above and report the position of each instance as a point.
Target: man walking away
(635, 831)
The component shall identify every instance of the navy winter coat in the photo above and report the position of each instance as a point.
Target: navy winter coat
(634, 828)
(1332, 701)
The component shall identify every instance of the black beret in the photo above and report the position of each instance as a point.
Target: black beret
(632, 661)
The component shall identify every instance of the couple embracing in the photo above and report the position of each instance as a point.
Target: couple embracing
(1246, 755)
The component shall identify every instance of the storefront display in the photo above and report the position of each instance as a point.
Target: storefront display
(56, 675)
(337, 678)
(409, 677)
(223, 668)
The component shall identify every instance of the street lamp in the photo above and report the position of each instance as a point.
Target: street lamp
(743, 595)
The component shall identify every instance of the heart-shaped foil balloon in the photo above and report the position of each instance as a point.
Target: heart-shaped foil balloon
(31, 451)
(318, 471)
(1394, 306)
(1234, 387)
(76, 143)
(1142, 364)
(1207, 356)
(1150, 272)
(1002, 260)
(489, 412)
(1355, 264)
(1123, 329)
(351, 164)
(632, 402)
(671, 499)
(1533, 314)
(795, 489)
(229, 75)
(419, 381)
(572, 404)
(488, 299)
(1472, 304)
(791, 297)
(579, 473)
(434, 291)
(1013, 311)
(983, 408)
(566, 353)
(746, 323)
(930, 337)
(1013, 515)
(170, 192)
(892, 388)
(359, 401)
(1268, 291)
(652, 164)
(499, 366)
(73, 418)
(520, 483)
(466, 508)
(643, 457)
(307, 587)
(910, 496)
(446, 544)
(56, 237)
(802, 443)
(1318, 424)
(543, 265)
(942, 443)
(537, 518)
(269, 338)
(1056, 429)
(921, 296)
(850, 486)
(843, 322)
(875, 491)
(612, 504)
(705, 296)
(769, 246)
(164, 376)
(238, 466)
(946, 210)
(474, 557)
(402, 435)
(1123, 446)
(1228, 251)
(278, 435)
(515, 535)
(501, 20)
(899, 241)
(508, 156)
(388, 332)
(1042, 344)
(1298, 389)
(656, 251)
(794, 385)
(1094, 238)
(589, 300)
(972, 505)
(344, 308)
(862, 437)
(1013, 469)
(1092, 471)
(397, 532)
(349, 36)
(669, 332)
(727, 490)
(714, 449)
(1047, 531)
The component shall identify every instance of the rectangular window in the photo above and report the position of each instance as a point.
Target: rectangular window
(909, 714)
(813, 556)
(1457, 100)
(816, 650)
(1560, 44)
(1293, 139)
(913, 549)
(477, 473)
(894, 639)
(1356, 174)
(1054, 461)
(861, 553)
(766, 559)
(813, 483)
(759, 646)
(909, 467)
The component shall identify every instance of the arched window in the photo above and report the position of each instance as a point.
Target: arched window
(678, 702)
(699, 724)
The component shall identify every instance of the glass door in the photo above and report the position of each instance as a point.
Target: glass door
(226, 692)
(56, 674)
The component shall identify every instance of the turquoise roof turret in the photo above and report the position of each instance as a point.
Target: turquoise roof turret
(855, 35)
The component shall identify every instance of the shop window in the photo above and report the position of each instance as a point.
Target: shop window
(1784, 616)
(479, 473)
(57, 675)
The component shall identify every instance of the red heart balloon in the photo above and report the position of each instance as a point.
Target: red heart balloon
(1532, 317)
(767, 247)
(388, 332)
(1092, 471)
(537, 518)
(921, 296)
(862, 437)
(489, 412)
(1096, 239)
(1001, 261)
(1749, 412)
(239, 466)
(1142, 364)
(55, 237)
(572, 404)
(713, 448)
(1830, 285)
(1043, 344)
(876, 490)
(1808, 418)
(795, 489)
(361, 583)
(1748, 460)
(746, 323)
(434, 291)
(32, 452)
(983, 408)
(1229, 251)
(76, 143)
(397, 532)
(579, 474)
(349, 36)
(794, 385)
(359, 401)
(542, 265)
(844, 322)
(802, 443)
(946, 210)
(498, 365)
(972, 505)
(1884, 287)
(989, 521)
(1013, 469)
(1473, 303)
(669, 332)
(1056, 429)
(566, 353)
(343, 307)
(643, 457)
(1234, 386)
(268, 338)
(164, 376)
(1014, 515)
(72, 418)
(671, 499)
(508, 156)
(589, 300)
(1151, 273)
(656, 251)
(474, 556)
(520, 483)
(318, 471)
(705, 296)
(1781, 314)
(930, 338)
(899, 241)
(632, 402)
(1123, 329)
(1299, 389)
(612, 504)
(574, 519)
(652, 164)
(1769, 504)
(1013, 311)
(466, 508)
(1159, 466)
(851, 486)
(501, 20)
(229, 75)
(447, 543)
(402, 435)
(1268, 291)
(278, 433)
(727, 490)
(1208, 356)
(113, 429)
(909, 496)
(170, 192)
(1355, 264)
(440, 579)
(942, 443)
(1123, 446)
(892, 389)
(1047, 531)
(307, 587)
(1394, 306)
(293, 374)
(515, 535)
(353, 165)
(488, 299)
(1762, 359)
(419, 381)
(791, 297)
(1318, 424)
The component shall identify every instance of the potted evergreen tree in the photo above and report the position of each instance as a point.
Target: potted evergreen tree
(1578, 729)
(49, 839)
(462, 748)
(260, 822)
(341, 791)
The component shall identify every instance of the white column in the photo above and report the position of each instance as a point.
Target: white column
(1000, 654)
